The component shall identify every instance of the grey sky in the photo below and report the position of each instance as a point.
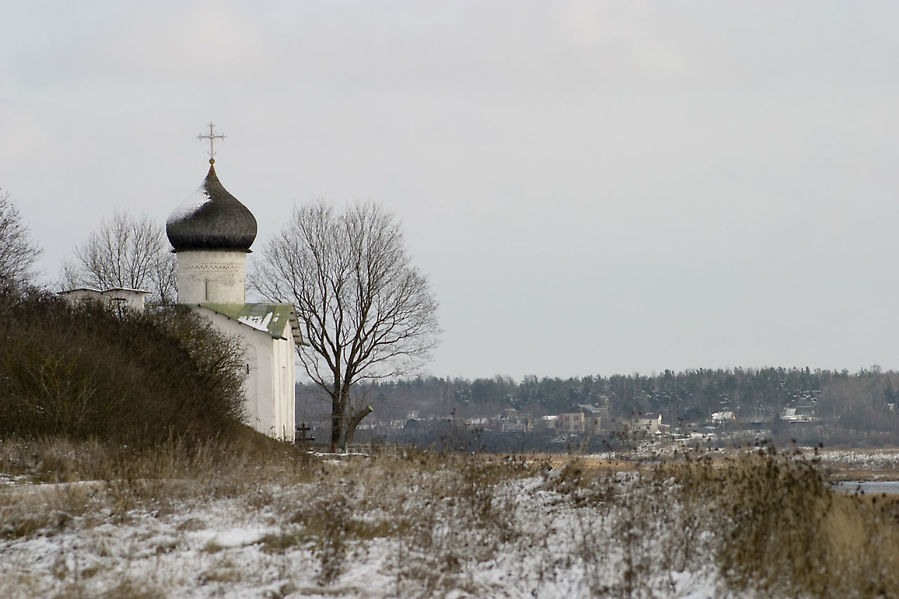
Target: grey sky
(592, 187)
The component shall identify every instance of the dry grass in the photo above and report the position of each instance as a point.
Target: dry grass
(766, 523)
(94, 481)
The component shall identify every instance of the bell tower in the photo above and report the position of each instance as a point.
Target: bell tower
(211, 233)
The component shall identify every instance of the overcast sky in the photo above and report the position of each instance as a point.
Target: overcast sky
(592, 187)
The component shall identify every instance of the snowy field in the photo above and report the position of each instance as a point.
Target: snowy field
(876, 463)
(403, 526)
(546, 547)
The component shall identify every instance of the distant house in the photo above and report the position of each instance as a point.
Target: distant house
(546, 423)
(513, 421)
(722, 417)
(572, 422)
(799, 414)
(594, 416)
(587, 420)
(649, 423)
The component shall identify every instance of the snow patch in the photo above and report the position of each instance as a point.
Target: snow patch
(190, 206)
(233, 537)
(260, 323)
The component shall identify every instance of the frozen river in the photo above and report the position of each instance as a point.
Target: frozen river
(868, 487)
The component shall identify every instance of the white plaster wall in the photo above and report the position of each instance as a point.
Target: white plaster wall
(81, 295)
(284, 415)
(132, 298)
(212, 276)
(252, 382)
(269, 387)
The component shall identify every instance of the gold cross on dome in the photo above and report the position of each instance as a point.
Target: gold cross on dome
(211, 137)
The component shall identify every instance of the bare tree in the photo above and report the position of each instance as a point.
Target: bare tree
(17, 251)
(125, 252)
(365, 311)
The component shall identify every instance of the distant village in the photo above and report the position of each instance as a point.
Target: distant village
(826, 408)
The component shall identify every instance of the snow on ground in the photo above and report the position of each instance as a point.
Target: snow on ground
(531, 541)
(416, 525)
(873, 460)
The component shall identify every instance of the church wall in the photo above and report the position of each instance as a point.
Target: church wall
(260, 415)
(269, 387)
(212, 276)
(284, 393)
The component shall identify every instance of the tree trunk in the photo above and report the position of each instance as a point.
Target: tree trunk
(336, 423)
(354, 421)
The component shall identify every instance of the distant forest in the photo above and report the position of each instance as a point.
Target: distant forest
(864, 400)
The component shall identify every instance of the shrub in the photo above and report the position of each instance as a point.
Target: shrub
(784, 532)
(85, 371)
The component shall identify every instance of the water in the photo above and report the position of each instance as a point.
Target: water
(868, 487)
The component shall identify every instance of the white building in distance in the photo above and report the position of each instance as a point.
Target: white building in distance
(116, 297)
(211, 233)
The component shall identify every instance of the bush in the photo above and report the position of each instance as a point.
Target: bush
(785, 533)
(86, 371)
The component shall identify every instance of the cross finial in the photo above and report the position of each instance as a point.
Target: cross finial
(211, 137)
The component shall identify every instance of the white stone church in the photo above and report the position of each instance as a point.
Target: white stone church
(211, 234)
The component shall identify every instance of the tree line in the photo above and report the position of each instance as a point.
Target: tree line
(866, 399)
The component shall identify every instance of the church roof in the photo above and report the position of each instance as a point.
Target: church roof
(211, 219)
(267, 318)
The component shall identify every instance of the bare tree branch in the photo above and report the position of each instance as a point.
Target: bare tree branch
(366, 312)
(17, 251)
(125, 252)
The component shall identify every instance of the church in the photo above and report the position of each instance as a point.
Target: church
(211, 234)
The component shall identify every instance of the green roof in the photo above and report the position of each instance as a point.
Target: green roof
(268, 318)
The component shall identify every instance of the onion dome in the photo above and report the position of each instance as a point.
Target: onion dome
(211, 219)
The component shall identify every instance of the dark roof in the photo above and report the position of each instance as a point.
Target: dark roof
(211, 219)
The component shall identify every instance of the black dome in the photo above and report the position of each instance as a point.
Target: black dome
(211, 219)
